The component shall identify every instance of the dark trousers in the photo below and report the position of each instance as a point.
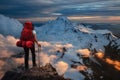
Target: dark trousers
(26, 57)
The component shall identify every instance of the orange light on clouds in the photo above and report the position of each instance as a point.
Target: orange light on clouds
(82, 68)
(83, 52)
(99, 55)
(95, 19)
(114, 18)
(116, 64)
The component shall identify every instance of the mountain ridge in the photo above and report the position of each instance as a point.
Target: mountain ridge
(59, 30)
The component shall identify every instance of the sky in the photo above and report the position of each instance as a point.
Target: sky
(77, 10)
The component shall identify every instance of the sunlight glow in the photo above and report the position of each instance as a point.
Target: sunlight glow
(115, 63)
(95, 19)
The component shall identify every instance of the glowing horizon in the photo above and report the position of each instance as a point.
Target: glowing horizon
(85, 19)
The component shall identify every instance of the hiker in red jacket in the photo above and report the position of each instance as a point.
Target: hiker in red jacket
(27, 41)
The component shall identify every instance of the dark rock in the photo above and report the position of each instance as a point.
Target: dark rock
(36, 73)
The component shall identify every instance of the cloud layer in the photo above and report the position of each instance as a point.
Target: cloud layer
(46, 55)
(48, 8)
(7, 49)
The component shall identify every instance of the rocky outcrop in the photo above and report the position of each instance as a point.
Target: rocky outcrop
(37, 73)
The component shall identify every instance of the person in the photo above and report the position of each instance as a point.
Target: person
(29, 44)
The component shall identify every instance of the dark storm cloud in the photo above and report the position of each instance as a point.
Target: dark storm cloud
(20, 8)
(45, 8)
(102, 8)
(70, 12)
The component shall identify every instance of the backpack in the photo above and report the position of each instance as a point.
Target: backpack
(27, 38)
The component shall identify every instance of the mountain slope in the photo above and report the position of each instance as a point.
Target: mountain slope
(10, 26)
(64, 31)
(77, 52)
(85, 43)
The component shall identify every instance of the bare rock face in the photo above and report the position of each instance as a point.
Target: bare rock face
(36, 73)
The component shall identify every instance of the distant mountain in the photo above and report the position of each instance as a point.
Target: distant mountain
(115, 28)
(64, 31)
(10, 26)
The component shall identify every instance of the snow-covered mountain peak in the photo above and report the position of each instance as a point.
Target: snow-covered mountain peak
(65, 31)
(58, 26)
(84, 41)
(63, 18)
(60, 21)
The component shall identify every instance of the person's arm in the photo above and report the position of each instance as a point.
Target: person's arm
(36, 41)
